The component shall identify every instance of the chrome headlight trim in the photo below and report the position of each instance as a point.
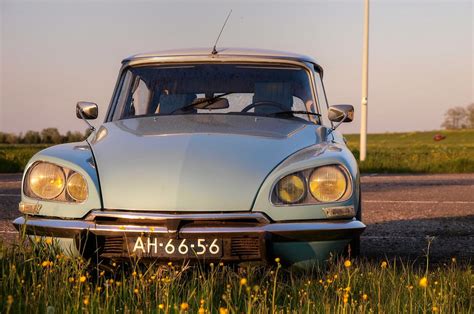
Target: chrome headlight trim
(309, 199)
(64, 196)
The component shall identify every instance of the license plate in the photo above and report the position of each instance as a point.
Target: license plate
(165, 247)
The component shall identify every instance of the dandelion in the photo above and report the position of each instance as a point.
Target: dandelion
(102, 273)
(134, 274)
(345, 298)
(201, 310)
(184, 306)
(202, 302)
(435, 309)
(170, 264)
(423, 282)
(71, 279)
(347, 289)
(384, 264)
(161, 306)
(86, 301)
(98, 289)
(243, 281)
(223, 310)
(135, 290)
(82, 279)
(49, 240)
(10, 299)
(277, 260)
(45, 264)
(347, 263)
(365, 297)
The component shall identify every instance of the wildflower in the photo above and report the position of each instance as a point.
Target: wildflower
(45, 264)
(243, 281)
(435, 309)
(135, 290)
(102, 273)
(49, 240)
(211, 264)
(423, 282)
(223, 310)
(86, 301)
(153, 277)
(114, 264)
(82, 279)
(345, 298)
(161, 306)
(98, 289)
(202, 301)
(201, 310)
(71, 279)
(365, 297)
(134, 274)
(384, 264)
(277, 260)
(170, 264)
(435, 283)
(347, 289)
(410, 287)
(335, 276)
(10, 299)
(184, 306)
(347, 263)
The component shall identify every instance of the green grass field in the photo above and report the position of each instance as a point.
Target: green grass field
(414, 152)
(39, 279)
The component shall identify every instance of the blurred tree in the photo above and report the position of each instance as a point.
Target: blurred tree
(455, 118)
(51, 136)
(470, 115)
(73, 137)
(11, 138)
(32, 137)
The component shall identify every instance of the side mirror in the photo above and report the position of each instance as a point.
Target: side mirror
(341, 113)
(87, 110)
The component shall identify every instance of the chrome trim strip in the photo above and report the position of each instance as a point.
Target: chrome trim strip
(261, 218)
(288, 231)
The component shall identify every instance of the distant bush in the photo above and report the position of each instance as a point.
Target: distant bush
(46, 136)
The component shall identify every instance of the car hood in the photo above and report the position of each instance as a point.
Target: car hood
(192, 162)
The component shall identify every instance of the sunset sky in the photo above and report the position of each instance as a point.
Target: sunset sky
(56, 53)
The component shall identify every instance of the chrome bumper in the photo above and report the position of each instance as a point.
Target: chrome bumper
(116, 223)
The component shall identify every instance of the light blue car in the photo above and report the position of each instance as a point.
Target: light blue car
(228, 156)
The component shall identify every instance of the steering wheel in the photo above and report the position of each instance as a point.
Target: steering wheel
(263, 103)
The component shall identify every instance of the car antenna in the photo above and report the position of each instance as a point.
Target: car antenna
(214, 50)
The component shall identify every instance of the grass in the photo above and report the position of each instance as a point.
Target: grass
(37, 278)
(414, 152)
(417, 152)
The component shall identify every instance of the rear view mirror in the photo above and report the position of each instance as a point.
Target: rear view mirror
(340, 114)
(87, 110)
(216, 103)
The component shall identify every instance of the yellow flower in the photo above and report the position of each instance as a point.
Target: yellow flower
(223, 310)
(161, 306)
(134, 274)
(347, 263)
(71, 279)
(345, 298)
(45, 264)
(86, 301)
(435, 309)
(82, 279)
(201, 310)
(243, 281)
(135, 291)
(170, 264)
(48, 240)
(10, 299)
(365, 297)
(98, 289)
(202, 302)
(184, 306)
(384, 264)
(347, 289)
(423, 282)
(277, 260)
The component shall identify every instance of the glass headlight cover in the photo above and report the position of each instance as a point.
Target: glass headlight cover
(328, 183)
(46, 180)
(291, 189)
(77, 187)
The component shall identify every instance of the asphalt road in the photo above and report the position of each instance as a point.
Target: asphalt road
(400, 211)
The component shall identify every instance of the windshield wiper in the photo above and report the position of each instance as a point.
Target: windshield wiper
(210, 101)
(293, 112)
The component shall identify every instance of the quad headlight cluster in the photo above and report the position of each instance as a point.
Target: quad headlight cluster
(324, 184)
(48, 181)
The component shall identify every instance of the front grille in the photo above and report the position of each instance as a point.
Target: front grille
(113, 246)
(245, 247)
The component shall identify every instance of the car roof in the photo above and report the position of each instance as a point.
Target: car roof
(230, 52)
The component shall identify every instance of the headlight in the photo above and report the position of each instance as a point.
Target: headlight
(46, 180)
(328, 183)
(77, 187)
(291, 189)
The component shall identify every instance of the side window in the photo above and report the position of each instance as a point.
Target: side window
(140, 98)
(122, 95)
(323, 105)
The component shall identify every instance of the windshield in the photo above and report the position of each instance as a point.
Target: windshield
(262, 90)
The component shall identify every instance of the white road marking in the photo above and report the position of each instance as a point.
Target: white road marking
(419, 202)
(11, 195)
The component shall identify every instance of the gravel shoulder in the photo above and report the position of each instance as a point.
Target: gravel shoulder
(401, 212)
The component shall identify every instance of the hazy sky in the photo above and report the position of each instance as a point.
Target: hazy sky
(58, 52)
